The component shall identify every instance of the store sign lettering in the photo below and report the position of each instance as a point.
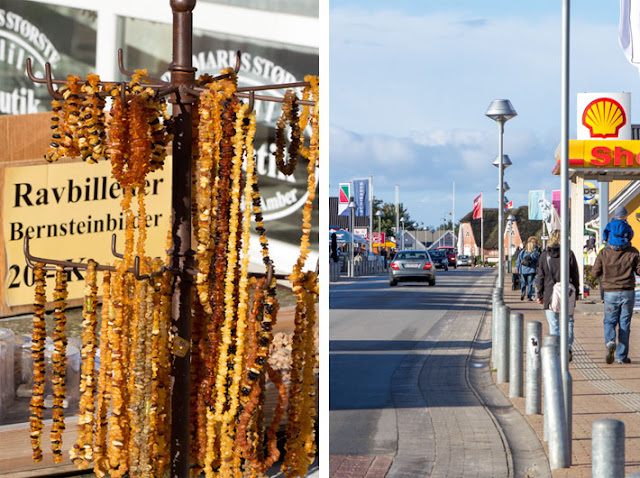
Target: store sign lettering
(604, 155)
(66, 209)
(20, 39)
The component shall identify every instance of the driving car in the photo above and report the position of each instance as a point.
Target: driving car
(463, 260)
(451, 255)
(408, 266)
(440, 259)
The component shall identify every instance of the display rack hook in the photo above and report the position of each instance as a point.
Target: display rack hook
(252, 97)
(126, 72)
(49, 80)
(238, 61)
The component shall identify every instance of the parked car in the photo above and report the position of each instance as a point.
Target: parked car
(440, 259)
(451, 255)
(409, 266)
(463, 260)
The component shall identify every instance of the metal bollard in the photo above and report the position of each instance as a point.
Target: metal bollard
(533, 389)
(607, 448)
(553, 341)
(496, 303)
(502, 341)
(554, 408)
(516, 320)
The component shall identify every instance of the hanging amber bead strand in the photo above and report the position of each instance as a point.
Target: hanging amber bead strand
(115, 450)
(91, 132)
(310, 115)
(82, 452)
(38, 336)
(250, 389)
(161, 446)
(53, 152)
(59, 363)
(300, 445)
(117, 128)
(71, 108)
(300, 418)
(289, 117)
(101, 464)
(236, 305)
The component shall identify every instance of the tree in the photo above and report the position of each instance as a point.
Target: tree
(388, 219)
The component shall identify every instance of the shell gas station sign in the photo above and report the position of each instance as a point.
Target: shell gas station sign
(603, 141)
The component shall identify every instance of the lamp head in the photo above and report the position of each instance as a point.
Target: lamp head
(501, 110)
(379, 213)
(506, 162)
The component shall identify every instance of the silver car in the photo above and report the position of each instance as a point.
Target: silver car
(463, 260)
(412, 266)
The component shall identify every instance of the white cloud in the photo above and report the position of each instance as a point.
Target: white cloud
(408, 96)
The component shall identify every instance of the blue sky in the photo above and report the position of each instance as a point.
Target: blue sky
(410, 82)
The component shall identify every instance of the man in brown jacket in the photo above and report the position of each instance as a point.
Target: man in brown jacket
(617, 269)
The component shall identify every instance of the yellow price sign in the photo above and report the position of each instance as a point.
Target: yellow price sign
(69, 211)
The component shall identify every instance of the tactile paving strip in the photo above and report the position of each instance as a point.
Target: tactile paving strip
(599, 378)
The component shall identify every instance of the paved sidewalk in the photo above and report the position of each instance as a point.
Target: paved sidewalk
(599, 390)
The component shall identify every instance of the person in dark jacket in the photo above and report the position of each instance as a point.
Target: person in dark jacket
(617, 268)
(548, 273)
(526, 264)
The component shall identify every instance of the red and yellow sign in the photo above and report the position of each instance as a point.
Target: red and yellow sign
(605, 155)
(604, 117)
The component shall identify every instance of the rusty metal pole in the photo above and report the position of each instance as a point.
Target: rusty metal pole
(182, 75)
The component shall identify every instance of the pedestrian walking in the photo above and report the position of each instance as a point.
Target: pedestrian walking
(548, 275)
(526, 264)
(616, 264)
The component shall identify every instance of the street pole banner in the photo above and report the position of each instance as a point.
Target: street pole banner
(343, 199)
(477, 207)
(535, 212)
(361, 196)
(629, 31)
(555, 199)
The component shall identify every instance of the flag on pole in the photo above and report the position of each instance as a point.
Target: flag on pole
(629, 31)
(477, 207)
(344, 195)
(508, 205)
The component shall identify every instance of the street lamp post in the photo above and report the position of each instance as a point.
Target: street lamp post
(501, 111)
(352, 208)
(379, 214)
(415, 236)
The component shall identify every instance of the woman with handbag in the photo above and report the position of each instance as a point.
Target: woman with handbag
(549, 289)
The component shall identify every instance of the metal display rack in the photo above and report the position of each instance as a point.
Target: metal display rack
(183, 94)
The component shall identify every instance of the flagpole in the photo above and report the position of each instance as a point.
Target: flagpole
(481, 230)
(453, 211)
(370, 214)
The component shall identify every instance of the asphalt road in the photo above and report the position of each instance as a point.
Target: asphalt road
(399, 381)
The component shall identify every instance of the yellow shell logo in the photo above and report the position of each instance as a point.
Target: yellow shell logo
(604, 117)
